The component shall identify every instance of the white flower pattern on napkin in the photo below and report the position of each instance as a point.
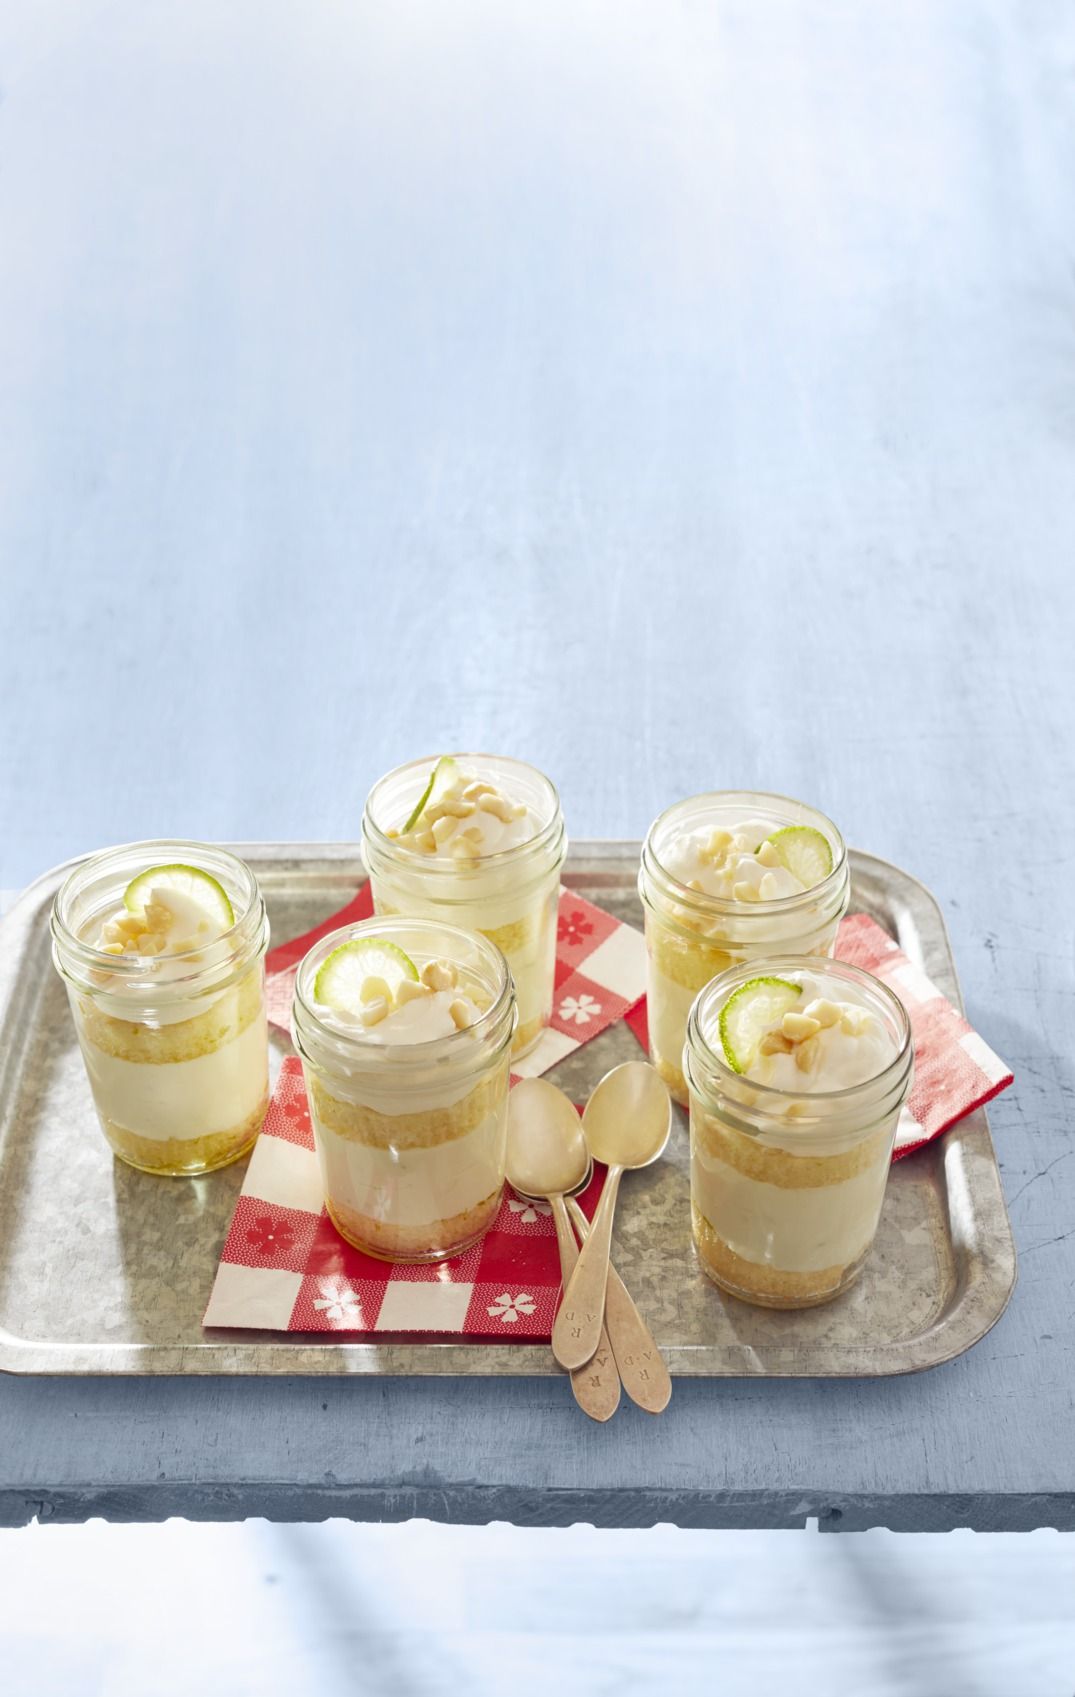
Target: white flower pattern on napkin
(528, 1212)
(581, 1008)
(508, 1307)
(338, 1302)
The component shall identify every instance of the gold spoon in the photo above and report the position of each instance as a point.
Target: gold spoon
(626, 1123)
(641, 1365)
(544, 1129)
(547, 1156)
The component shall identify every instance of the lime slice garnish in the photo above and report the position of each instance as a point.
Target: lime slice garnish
(189, 881)
(442, 777)
(340, 978)
(747, 1015)
(806, 853)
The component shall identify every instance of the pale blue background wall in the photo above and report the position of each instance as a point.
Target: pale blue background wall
(676, 395)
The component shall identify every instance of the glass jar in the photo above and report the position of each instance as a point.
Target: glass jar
(175, 1045)
(786, 1190)
(511, 897)
(692, 936)
(412, 1137)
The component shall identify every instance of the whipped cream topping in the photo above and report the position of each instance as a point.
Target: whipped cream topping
(420, 1021)
(822, 1044)
(171, 923)
(736, 864)
(469, 819)
(414, 1012)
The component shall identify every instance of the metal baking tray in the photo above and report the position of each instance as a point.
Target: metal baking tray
(106, 1270)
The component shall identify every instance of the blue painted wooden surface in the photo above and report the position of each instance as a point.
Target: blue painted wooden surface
(674, 396)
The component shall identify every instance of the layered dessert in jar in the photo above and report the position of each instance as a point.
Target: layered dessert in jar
(797, 1071)
(476, 840)
(726, 878)
(404, 1028)
(161, 946)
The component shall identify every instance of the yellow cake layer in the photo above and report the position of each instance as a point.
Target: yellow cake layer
(691, 962)
(427, 1242)
(687, 961)
(528, 1034)
(511, 937)
(757, 1160)
(517, 934)
(185, 1155)
(127, 1040)
(424, 1130)
(769, 1286)
(674, 1079)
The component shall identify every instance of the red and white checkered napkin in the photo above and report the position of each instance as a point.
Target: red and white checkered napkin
(600, 973)
(284, 1266)
(955, 1071)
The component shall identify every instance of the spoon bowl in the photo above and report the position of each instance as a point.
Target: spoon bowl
(547, 1151)
(628, 1119)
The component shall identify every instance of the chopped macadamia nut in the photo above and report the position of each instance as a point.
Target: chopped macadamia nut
(775, 1043)
(449, 809)
(799, 1026)
(471, 810)
(806, 1055)
(498, 806)
(439, 975)
(826, 1013)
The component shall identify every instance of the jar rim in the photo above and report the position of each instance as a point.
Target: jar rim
(204, 960)
(393, 1056)
(704, 904)
(773, 966)
(375, 836)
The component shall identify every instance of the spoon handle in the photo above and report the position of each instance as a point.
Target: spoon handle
(641, 1364)
(577, 1331)
(596, 1386)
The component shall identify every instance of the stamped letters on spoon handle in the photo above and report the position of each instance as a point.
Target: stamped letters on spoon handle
(597, 1385)
(641, 1364)
(577, 1331)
